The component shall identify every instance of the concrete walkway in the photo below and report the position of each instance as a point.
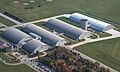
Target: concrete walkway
(115, 34)
(44, 54)
(4, 62)
(28, 64)
(46, 19)
(25, 60)
(23, 24)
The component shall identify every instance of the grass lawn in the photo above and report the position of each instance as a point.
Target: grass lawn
(117, 27)
(107, 9)
(6, 22)
(19, 68)
(103, 34)
(101, 51)
(41, 24)
(4, 57)
(69, 21)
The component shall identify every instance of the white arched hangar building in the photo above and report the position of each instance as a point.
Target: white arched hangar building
(15, 36)
(93, 23)
(67, 29)
(34, 45)
(24, 41)
(46, 36)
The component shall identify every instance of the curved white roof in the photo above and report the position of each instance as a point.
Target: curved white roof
(95, 24)
(68, 30)
(14, 35)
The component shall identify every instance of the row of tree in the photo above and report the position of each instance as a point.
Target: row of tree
(12, 16)
(30, 7)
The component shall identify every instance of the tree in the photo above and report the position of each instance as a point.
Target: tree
(108, 70)
(97, 64)
(37, 54)
(88, 70)
(51, 64)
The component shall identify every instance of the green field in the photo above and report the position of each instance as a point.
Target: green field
(69, 21)
(102, 51)
(6, 22)
(107, 9)
(41, 24)
(19, 68)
